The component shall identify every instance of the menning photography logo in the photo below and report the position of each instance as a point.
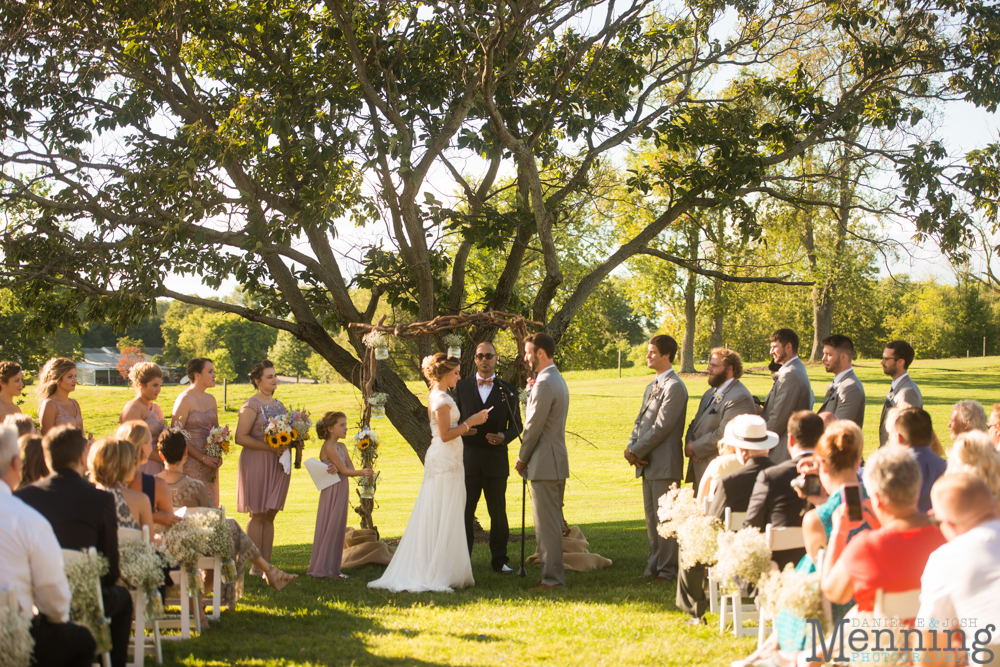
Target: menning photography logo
(890, 641)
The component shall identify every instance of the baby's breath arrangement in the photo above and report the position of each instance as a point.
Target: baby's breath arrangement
(142, 569)
(698, 540)
(219, 543)
(16, 642)
(675, 506)
(187, 541)
(743, 554)
(796, 592)
(378, 399)
(452, 340)
(84, 608)
(375, 339)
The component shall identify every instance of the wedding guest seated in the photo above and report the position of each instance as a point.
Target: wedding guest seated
(32, 459)
(723, 464)
(829, 419)
(749, 436)
(83, 516)
(33, 566)
(189, 492)
(893, 437)
(773, 500)
(22, 422)
(137, 434)
(893, 555)
(962, 578)
(836, 461)
(113, 465)
(967, 415)
(973, 453)
(913, 430)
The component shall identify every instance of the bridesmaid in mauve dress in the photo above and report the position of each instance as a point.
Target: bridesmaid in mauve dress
(55, 407)
(147, 380)
(11, 385)
(261, 483)
(331, 518)
(196, 411)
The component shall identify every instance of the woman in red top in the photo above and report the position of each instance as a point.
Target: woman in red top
(892, 555)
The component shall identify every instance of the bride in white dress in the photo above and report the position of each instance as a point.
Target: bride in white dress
(433, 554)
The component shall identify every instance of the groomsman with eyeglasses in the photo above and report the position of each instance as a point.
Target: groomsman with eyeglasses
(485, 450)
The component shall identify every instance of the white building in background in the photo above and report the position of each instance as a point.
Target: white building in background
(100, 365)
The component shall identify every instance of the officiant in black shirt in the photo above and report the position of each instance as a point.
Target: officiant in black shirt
(485, 448)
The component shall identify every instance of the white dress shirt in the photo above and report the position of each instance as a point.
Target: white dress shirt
(721, 390)
(32, 559)
(839, 377)
(484, 390)
(895, 383)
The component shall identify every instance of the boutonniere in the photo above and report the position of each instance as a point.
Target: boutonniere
(830, 389)
(717, 398)
(656, 391)
(531, 383)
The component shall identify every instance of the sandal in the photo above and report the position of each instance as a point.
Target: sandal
(277, 579)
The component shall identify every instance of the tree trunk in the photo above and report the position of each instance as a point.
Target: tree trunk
(690, 312)
(718, 315)
(822, 298)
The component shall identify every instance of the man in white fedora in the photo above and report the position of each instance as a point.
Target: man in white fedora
(748, 434)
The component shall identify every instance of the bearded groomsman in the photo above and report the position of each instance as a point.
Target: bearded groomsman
(845, 397)
(485, 450)
(791, 393)
(655, 449)
(725, 398)
(896, 359)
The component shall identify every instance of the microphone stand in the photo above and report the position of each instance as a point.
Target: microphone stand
(522, 572)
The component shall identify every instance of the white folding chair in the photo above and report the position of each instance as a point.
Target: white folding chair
(778, 539)
(212, 564)
(897, 605)
(733, 602)
(139, 623)
(70, 555)
(731, 521)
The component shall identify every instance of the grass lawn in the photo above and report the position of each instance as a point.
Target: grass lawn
(608, 617)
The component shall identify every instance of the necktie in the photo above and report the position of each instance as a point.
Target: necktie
(485, 383)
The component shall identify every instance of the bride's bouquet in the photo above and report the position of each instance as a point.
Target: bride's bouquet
(217, 444)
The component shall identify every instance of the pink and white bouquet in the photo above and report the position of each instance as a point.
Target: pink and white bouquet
(301, 423)
(217, 444)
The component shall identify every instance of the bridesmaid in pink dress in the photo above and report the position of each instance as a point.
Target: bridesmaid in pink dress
(261, 484)
(196, 411)
(331, 518)
(11, 386)
(147, 380)
(55, 408)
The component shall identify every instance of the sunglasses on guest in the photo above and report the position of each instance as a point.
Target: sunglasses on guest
(488, 356)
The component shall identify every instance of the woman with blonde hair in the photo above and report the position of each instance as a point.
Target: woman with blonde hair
(11, 385)
(433, 554)
(55, 408)
(146, 379)
(137, 434)
(112, 464)
(973, 452)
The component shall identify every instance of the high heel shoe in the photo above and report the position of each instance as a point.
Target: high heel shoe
(277, 579)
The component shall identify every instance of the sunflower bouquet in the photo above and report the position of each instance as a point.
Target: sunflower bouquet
(278, 432)
(366, 444)
(217, 444)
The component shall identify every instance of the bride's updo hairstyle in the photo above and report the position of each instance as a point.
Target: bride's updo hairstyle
(437, 365)
(841, 445)
(326, 424)
(257, 372)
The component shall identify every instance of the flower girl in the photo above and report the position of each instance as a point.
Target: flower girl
(331, 518)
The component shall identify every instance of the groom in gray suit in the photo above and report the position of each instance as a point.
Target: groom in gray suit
(792, 391)
(845, 396)
(726, 398)
(896, 359)
(655, 449)
(543, 459)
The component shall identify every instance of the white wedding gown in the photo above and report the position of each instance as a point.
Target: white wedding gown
(433, 554)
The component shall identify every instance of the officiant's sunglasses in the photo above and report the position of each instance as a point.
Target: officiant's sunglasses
(487, 356)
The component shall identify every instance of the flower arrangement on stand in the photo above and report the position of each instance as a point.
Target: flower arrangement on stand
(681, 517)
(217, 444)
(742, 555)
(16, 642)
(379, 342)
(187, 541)
(366, 446)
(454, 343)
(794, 591)
(142, 569)
(378, 401)
(301, 423)
(84, 608)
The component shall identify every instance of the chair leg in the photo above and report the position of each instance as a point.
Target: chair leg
(713, 593)
(217, 589)
(139, 629)
(156, 642)
(761, 628)
(723, 604)
(185, 607)
(737, 615)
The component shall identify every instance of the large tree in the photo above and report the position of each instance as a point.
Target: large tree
(231, 140)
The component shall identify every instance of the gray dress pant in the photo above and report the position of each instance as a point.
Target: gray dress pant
(546, 507)
(662, 560)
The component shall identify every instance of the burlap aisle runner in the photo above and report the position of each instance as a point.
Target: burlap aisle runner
(361, 547)
(575, 554)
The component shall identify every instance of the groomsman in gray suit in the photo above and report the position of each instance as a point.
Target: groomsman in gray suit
(845, 397)
(896, 359)
(725, 398)
(655, 449)
(543, 459)
(791, 393)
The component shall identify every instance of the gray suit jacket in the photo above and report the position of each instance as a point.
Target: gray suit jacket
(543, 442)
(792, 392)
(709, 424)
(846, 399)
(659, 430)
(906, 392)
